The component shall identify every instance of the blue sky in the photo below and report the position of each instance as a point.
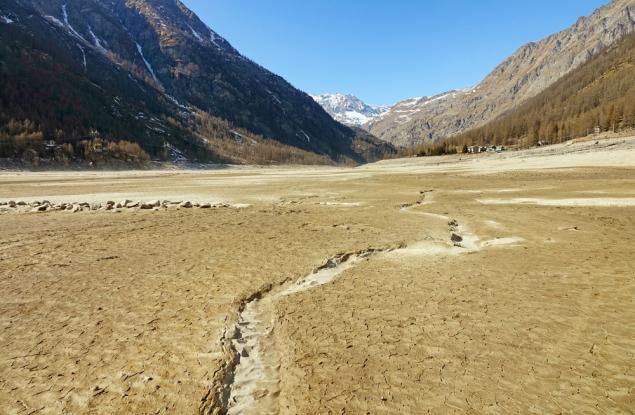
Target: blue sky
(381, 50)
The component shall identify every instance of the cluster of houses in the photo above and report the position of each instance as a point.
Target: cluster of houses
(485, 149)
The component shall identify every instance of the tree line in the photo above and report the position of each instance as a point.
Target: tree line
(598, 95)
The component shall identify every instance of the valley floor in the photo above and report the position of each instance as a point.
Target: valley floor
(495, 284)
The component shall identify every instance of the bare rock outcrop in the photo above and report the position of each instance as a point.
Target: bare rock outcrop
(529, 71)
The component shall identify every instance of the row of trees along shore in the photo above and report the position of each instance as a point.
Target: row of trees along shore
(24, 140)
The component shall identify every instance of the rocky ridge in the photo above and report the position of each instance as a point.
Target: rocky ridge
(147, 68)
(530, 70)
(348, 109)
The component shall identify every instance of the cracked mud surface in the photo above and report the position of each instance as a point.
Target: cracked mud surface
(131, 313)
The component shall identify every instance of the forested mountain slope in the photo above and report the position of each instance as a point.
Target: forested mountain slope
(148, 71)
(600, 93)
(530, 70)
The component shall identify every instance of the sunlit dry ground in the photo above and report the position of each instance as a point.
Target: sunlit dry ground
(106, 312)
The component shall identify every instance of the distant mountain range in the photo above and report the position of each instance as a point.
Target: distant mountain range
(348, 109)
(529, 71)
(150, 71)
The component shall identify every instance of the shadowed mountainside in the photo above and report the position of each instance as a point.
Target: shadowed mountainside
(146, 71)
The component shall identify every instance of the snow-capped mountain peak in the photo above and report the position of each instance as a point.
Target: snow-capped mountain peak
(348, 109)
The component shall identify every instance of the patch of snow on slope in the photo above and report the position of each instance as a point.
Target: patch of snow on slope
(305, 135)
(65, 14)
(96, 40)
(412, 101)
(83, 56)
(275, 98)
(177, 103)
(354, 117)
(406, 109)
(195, 34)
(440, 97)
(148, 66)
(68, 25)
(6, 19)
(54, 20)
(213, 37)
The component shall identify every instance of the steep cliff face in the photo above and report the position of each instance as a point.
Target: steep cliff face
(530, 70)
(163, 51)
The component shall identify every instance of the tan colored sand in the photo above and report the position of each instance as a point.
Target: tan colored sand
(124, 313)
(540, 326)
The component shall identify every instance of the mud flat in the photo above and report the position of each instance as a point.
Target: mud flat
(519, 305)
(251, 382)
(254, 373)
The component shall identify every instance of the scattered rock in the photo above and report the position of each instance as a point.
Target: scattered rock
(456, 238)
(45, 205)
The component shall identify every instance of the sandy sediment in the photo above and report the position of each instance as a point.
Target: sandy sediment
(588, 201)
(251, 382)
(486, 308)
(253, 376)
